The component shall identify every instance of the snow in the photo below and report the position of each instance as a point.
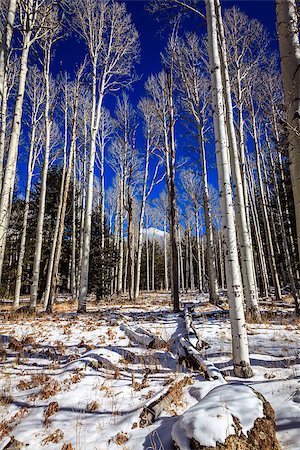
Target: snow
(211, 420)
(92, 359)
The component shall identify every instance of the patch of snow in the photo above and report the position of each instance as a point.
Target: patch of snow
(211, 420)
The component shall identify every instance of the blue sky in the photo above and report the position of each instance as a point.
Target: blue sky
(70, 52)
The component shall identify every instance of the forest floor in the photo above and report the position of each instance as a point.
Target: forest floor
(71, 381)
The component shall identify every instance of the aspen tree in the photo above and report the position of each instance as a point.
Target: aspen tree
(288, 36)
(36, 95)
(33, 18)
(47, 43)
(240, 350)
(112, 41)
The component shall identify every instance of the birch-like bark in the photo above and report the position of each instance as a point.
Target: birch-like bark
(248, 273)
(147, 262)
(5, 45)
(269, 241)
(212, 277)
(141, 221)
(233, 277)
(288, 35)
(73, 263)
(95, 118)
(59, 209)
(153, 262)
(191, 262)
(121, 244)
(264, 289)
(42, 200)
(172, 198)
(199, 260)
(61, 219)
(32, 157)
(11, 162)
(288, 262)
(3, 129)
(166, 255)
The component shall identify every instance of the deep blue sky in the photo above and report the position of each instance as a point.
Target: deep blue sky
(70, 52)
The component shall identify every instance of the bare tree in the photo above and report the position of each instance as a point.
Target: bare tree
(47, 42)
(287, 29)
(33, 16)
(112, 42)
(36, 95)
(233, 277)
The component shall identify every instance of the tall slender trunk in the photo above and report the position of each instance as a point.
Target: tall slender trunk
(199, 260)
(211, 261)
(288, 262)
(42, 200)
(180, 254)
(141, 221)
(130, 247)
(82, 207)
(166, 256)
(121, 248)
(153, 263)
(221, 263)
(61, 219)
(264, 289)
(3, 129)
(30, 169)
(287, 29)
(11, 162)
(172, 199)
(191, 262)
(147, 261)
(95, 119)
(5, 44)
(73, 264)
(233, 277)
(59, 210)
(270, 247)
(248, 273)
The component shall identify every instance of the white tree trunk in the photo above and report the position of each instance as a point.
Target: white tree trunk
(73, 264)
(147, 261)
(248, 273)
(240, 351)
(59, 210)
(191, 262)
(211, 260)
(3, 130)
(30, 169)
(5, 44)
(11, 162)
(269, 241)
(141, 222)
(153, 262)
(166, 256)
(287, 29)
(42, 200)
(199, 260)
(95, 118)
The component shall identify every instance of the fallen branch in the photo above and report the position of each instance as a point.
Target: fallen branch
(143, 339)
(162, 402)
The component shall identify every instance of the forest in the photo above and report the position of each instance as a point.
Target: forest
(149, 224)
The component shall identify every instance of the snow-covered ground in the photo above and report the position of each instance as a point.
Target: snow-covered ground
(73, 381)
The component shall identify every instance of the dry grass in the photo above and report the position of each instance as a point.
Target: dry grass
(54, 437)
(121, 438)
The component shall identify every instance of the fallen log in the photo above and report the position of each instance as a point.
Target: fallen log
(157, 341)
(162, 402)
(143, 339)
(210, 371)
